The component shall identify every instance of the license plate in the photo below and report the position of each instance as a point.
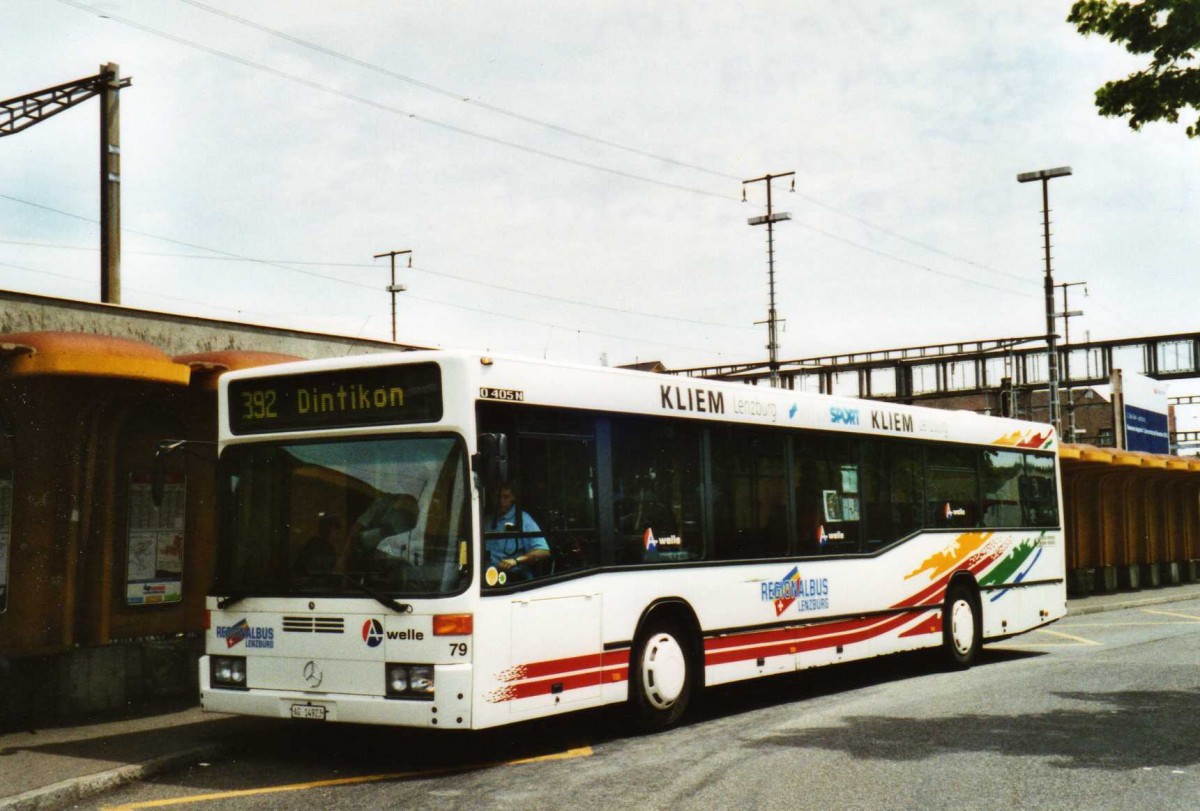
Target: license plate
(311, 712)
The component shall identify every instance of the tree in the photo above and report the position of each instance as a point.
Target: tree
(1168, 30)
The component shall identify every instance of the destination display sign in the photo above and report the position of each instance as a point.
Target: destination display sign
(345, 398)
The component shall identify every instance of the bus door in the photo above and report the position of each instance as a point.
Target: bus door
(543, 517)
(556, 641)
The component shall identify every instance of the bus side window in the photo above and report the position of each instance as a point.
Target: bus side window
(552, 465)
(1039, 497)
(750, 507)
(880, 519)
(828, 495)
(557, 477)
(656, 491)
(1001, 476)
(952, 494)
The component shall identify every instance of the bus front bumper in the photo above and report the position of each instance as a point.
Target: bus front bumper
(449, 709)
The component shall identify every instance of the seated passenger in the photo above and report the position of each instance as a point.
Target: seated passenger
(382, 528)
(516, 540)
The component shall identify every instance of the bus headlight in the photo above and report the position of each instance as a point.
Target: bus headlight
(421, 679)
(397, 679)
(409, 681)
(228, 672)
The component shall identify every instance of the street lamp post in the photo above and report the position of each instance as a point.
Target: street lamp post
(1045, 175)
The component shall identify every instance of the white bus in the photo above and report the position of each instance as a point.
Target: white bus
(668, 534)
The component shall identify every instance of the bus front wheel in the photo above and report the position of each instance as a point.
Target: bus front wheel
(661, 677)
(962, 628)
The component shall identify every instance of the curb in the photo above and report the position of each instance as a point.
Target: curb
(76, 789)
(1175, 597)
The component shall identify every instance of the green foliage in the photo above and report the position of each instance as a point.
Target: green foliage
(1167, 30)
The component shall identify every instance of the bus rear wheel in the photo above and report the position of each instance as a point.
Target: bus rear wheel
(962, 628)
(661, 678)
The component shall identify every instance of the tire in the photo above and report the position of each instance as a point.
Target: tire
(662, 677)
(962, 628)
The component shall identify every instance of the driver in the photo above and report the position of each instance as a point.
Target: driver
(516, 540)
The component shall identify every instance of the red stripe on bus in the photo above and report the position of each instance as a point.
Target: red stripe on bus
(929, 624)
(542, 687)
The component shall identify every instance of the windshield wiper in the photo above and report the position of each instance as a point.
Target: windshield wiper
(382, 599)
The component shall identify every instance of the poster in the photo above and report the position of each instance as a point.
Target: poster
(833, 505)
(154, 562)
(6, 491)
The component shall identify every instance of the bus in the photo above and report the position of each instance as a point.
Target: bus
(459, 541)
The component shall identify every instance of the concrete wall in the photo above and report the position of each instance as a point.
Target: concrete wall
(173, 334)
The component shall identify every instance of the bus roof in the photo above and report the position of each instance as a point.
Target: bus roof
(505, 378)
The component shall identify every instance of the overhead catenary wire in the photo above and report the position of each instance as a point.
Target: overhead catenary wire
(461, 97)
(513, 144)
(291, 77)
(467, 99)
(456, 305)
(370, 102)
(286, 264)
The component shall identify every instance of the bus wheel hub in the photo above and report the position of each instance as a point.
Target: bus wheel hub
(664, 670)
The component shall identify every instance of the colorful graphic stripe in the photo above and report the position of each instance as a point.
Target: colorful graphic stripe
(821, 636)
(917, 615)
(1027, 439)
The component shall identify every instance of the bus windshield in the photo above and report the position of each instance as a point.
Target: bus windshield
(386, 516)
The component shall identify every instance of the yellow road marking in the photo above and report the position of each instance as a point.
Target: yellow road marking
(582, 751)
(1076, 640)
(1147, 624)
(1191, 617)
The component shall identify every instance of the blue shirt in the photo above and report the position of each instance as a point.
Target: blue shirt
(510, 546)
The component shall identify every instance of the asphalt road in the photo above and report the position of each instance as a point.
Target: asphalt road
(1098, 711)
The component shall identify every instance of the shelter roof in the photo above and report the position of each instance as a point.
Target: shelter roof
(80, 354)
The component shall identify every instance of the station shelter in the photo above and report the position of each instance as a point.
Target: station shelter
(102, 590)
(1132, 519)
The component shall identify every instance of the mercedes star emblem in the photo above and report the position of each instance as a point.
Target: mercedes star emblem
(313, 674)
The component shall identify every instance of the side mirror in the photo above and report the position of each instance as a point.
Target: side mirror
(491, 462)
(158, 475)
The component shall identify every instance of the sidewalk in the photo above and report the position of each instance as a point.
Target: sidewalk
(57, 766)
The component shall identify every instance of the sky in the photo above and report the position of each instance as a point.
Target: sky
(569, 176)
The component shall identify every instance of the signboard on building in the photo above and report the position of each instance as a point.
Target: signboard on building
(1143, 412)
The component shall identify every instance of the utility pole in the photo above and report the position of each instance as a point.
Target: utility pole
(110, 183)
(769, 220)
(1045, 176)
(22, 112)
(394, 288)
(1066, 315)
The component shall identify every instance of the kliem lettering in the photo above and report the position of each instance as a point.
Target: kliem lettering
(699, 400)
(890, 421)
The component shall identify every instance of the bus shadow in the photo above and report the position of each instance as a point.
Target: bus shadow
(317, 751)
(1117, 731)
(804, 685)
